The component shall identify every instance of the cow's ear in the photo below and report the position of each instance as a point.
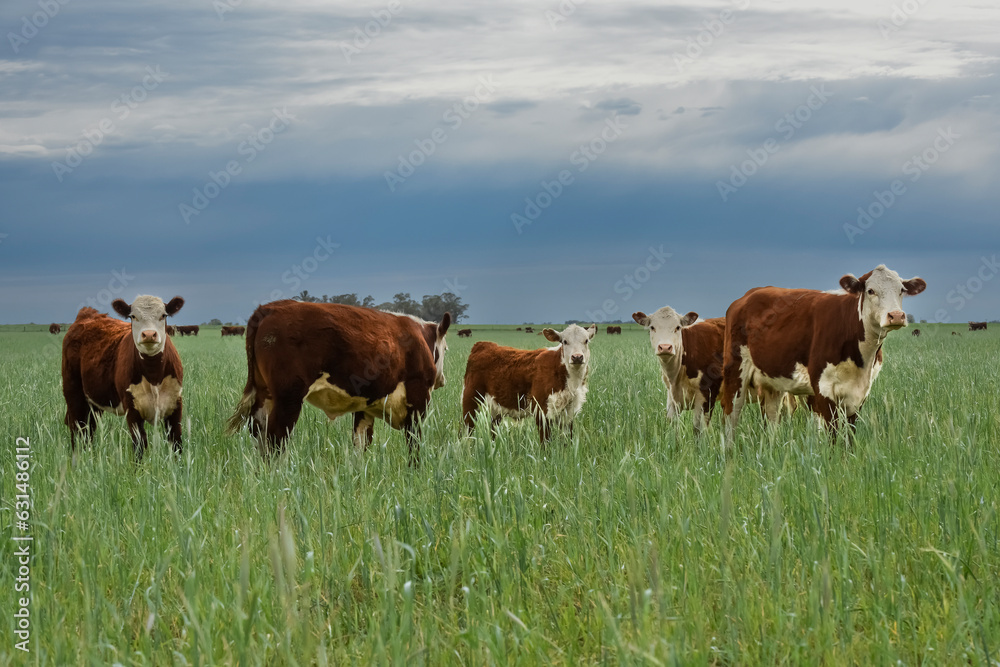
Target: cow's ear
(592, 329)
(174, 305)
(914, 286)
(852, 285)
(443, 326)
(641, 318)
(121, 307)
(551, 335)
(689, 319)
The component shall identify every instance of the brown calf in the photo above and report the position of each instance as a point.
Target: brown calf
(131, 370)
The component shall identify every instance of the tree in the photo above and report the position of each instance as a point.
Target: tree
(909, 318)
(369, 302)
(346, 299)
(215, 322)
(435, 306)
(304, 295)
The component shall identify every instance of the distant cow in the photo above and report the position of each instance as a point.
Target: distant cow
(690, 356)
(188, 330)
(464, 333)
(131, 370)
(519, 329)
(54, 328)
(233, 331)
(171, 330)
(342, 359)
(955, 333)
(614, 329)
(977, 326)
(825, 346)
(916, 332)
(549, 384)
(528, 330)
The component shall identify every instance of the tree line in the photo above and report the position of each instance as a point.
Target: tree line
(432, 307)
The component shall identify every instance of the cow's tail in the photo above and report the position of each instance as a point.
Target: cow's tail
(245, 407)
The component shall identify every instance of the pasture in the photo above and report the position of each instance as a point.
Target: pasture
(633, 543)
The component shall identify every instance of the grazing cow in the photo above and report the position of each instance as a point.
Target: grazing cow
(464, 333)
(528, 330)
(132, 370)
(550, 383)
(916, 332)
(519, 329)
(54, 328)
(171, 330)
(825, 346)
(342, 359)
(233, 331)
(188, 330)
(977, 326)
(614, 329)
(690, 356)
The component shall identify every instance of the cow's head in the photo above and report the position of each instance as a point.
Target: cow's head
(149, 321)
(440, 347)
(881, 292)
(664, 328)
(575, 344)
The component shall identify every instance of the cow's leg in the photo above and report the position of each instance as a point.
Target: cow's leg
(364, 430)
(137, 429)
(734, 387)
(544, 428)
(418, 395)
(173, 424)
(284, 413)
(826, 412)
(470, 405)
(770, 403)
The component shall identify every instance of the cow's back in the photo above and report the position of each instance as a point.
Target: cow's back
(90, 354)
(510, 375)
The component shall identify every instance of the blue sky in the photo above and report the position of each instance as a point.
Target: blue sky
(545, 160)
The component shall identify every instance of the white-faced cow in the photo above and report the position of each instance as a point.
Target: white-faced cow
(549, 384)
(131, 370)
(827, 347)
(341, 359)
(690, 356)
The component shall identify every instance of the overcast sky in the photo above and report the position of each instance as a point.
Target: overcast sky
(544, 160)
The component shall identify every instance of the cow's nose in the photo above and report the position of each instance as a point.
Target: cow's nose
(148, 336)
(577, 358)
(665, 348)
(896, 318)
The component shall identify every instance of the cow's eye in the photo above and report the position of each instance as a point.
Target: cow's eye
(677, 329)
(163, 316)
(871, 292)
(652, 328)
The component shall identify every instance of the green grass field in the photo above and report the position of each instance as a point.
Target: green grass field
(634, 543)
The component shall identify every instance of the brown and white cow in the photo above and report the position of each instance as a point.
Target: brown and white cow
(341, 359)
(465, 333)
(690, 356)
(614, 329)
(916, 332)
(131, 370)
(188, 329)
(977, 326)
(233, 331)
(54, 328)
(549, 384)
(827, 347)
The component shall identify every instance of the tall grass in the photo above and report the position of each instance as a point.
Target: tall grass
(633, 542)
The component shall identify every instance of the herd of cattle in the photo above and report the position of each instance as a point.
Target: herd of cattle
(773, 345)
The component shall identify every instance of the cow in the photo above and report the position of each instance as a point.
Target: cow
(171, 330)
(465, 333)
(128, 369)
(955, 333)
(188, 330)
(528, 330)
(54, 328)
(827, 347)
(977, 326)
(519, 329)
(341, 359)
(233, 331)
(549, 383)
(614, 329)
(916, 332)
(690, 356)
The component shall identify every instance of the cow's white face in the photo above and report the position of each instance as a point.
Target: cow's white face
(664, 328)
(881, 304)
(149, 321)
(575, 342)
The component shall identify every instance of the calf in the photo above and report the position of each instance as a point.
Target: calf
(827, 347)
(131, 370)
(54, 328)
(690, 356)
(550, 383)
(342, 359)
